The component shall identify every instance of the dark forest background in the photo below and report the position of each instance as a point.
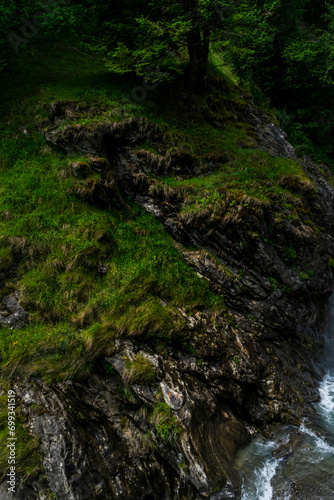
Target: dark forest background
(281, 51)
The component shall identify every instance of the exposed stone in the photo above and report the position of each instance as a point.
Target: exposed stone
(12, 313)
(172, 398)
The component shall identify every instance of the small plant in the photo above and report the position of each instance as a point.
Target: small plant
(236, 360)
(291, 253)
(306, 275)
(184, 468)
(233, 357)
(109, 369)
(331, 262)
(139, 371)
(166, 424)
(274, 284)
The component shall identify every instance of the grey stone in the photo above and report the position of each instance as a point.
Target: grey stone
(11, 313)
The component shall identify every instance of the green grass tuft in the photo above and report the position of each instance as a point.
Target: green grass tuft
(166, 424)
(139, 371)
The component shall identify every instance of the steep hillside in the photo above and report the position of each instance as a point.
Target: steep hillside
(165, 273)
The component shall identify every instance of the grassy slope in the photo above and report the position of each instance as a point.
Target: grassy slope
(55, 241)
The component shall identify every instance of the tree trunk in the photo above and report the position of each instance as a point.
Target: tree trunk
(198, 49)
(198, 42)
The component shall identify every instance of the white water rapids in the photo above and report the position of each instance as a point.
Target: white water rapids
(308, 473)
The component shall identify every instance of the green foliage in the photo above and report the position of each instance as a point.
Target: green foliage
(166, 424)
(155, 36)
(250, 45)
(285, 48)
(281, 48)
(14, 28)
(58, 241)
(184, 468)
(60, 244)
(236, 360)
(274, 284)
(109, 369)
(291, 253)
(306, 275)
(303, 276)
(139, 371)
(154, 39)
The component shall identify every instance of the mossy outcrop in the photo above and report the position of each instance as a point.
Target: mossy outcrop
(175, 433)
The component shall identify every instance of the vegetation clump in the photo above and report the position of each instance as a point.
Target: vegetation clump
(166, 423)
(139, 371)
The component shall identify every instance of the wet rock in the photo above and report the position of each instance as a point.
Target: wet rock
(226, 493)
(268, 135)
(53, 450)
(12, 313)
(172, 398)
(90, 431)
(283, 451)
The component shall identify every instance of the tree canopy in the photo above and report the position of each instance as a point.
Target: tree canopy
(161, 35)
(283, 49)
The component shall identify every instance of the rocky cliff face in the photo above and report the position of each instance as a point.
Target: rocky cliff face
(174, 432)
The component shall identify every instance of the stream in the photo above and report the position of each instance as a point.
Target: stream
(308, 472)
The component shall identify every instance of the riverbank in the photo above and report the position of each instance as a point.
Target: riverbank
(295, 463)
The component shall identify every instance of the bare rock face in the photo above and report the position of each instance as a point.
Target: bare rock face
(11, 313)
(177, 437)
(98, 440)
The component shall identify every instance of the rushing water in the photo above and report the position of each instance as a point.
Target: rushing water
(306, 474)
(326, 405)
